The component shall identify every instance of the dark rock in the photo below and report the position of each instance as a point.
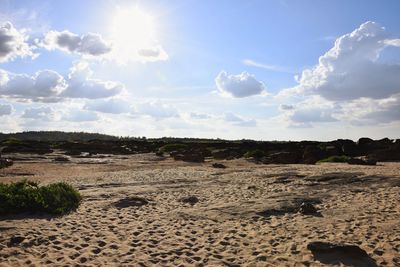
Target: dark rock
(61, 159)
(282, 158)
(340, 254)
(307, 209)
(190, 156)
(4, 163)
(312, 154)
(218, 165)
(16, 240)
(131, 202)
(189, 200)
(360, 161)
(364, 141)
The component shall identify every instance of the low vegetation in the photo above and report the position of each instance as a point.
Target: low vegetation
(335, 159)
(256, 153)
(172, 147)
(28, 196)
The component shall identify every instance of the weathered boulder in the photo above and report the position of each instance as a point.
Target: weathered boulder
(218, 165)
(312, 154)
(307, 208)
(189, 200)
(282, 158)
(361, 161)
(4, 163)
(227, 153)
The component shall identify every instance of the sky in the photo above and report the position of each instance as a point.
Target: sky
(264, 70)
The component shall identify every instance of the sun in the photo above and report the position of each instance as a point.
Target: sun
(132, 30)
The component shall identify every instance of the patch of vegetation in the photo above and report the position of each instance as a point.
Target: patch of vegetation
(11, 141)
(28, 196)
(172, 147)
(256, 153)
(335, 159)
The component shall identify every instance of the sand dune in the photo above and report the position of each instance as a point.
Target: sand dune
(246, 214)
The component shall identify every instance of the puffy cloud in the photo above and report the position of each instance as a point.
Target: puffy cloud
(312, 114)
(351, 69)
(13, 43)
(49, 86)
(40, 113)
(156, 53)
(81, 85)
(239, 121)
(113, 106)
(372, 111)
(44, 86)
(5, 109)
(91, 44)
(157, 110)
(241, 85)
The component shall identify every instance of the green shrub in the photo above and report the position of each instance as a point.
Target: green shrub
(12, 141)
(256, 153)
(27, 196)
(335, 159)
(172, 147)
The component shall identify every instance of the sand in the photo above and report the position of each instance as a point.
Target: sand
(239, 219)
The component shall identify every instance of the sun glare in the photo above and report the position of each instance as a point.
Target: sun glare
(132, 30)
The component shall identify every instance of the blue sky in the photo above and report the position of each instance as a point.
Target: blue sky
(268, 70)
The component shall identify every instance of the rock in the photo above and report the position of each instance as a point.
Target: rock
(189, 157)
(218, 165)
(307, 209)
(312, 154)
(131, 202)
(4, 163)
(364, 141)
(190, 200)
(360, 161)
(15, 240)
(340, 254)
(282, 158)
(61, 159)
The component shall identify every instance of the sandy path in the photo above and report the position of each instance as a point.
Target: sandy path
(222, 229)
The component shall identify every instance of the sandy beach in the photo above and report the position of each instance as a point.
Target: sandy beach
(136, 212)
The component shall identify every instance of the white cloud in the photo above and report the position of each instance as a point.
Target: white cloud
(13, 43)
(153, 54)
(283, 107)
(49, 86)
(157, 110)
(39, 113)
(5, 109)
(90, 44)
(81, 85)
(252, 63)
(199, 116)
(113, 106)
(239, 121)
(241, 85)
(351, 69)
(80, 116)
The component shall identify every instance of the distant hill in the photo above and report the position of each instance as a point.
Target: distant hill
(52, 136)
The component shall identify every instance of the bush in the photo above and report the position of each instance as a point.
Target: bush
(172, 147)
(11, 141)
(256, 153)
(28, 196)
(335, 159)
